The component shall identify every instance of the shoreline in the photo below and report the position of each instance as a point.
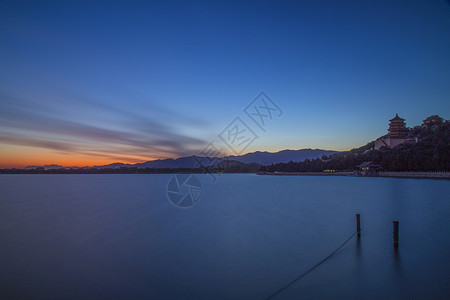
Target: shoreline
(417, 175)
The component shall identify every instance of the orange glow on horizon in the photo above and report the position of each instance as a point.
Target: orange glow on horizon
(73, 162)
(21, 157)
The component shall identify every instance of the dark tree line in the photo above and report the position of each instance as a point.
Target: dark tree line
(224, 167)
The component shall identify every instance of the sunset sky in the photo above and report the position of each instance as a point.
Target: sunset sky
(95, 82)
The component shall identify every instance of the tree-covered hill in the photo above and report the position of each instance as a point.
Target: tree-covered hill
(429, 152)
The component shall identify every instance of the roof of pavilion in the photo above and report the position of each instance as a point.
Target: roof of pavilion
(397, 118)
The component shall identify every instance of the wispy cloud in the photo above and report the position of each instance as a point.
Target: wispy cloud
(91, 128)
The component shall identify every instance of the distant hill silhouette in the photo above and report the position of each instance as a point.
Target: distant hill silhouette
(285, 156)
(261, 158)
(45, 167)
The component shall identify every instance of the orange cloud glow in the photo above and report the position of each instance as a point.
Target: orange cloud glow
(20, 157)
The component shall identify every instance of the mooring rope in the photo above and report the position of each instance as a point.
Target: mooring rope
(312, 268)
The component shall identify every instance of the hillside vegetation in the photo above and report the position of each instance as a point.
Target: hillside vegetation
(431, 152)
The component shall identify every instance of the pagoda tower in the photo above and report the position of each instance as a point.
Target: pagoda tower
(397, 128)
(397, 134)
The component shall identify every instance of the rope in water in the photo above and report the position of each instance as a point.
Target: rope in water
(312, 268)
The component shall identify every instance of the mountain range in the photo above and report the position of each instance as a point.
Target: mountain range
(263, 158)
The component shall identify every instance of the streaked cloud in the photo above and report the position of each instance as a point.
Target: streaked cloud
(103, 131)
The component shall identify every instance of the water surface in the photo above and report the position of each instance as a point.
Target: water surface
(118, 237)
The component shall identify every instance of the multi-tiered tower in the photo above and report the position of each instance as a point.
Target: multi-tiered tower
(397, 128)
(396, 134)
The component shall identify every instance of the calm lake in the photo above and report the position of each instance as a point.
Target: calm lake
(119, 237)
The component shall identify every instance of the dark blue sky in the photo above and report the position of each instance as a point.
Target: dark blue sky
(129, 81)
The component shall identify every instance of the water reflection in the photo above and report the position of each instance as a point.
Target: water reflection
(397, 260)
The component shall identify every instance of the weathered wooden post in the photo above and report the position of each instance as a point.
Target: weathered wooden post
(395, 223)
(358, 225)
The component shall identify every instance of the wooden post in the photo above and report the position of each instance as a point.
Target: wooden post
(395, 223)
(358, 225)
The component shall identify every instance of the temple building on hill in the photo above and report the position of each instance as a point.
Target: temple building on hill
(397, 134)
(367, 168)
(430, 121)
